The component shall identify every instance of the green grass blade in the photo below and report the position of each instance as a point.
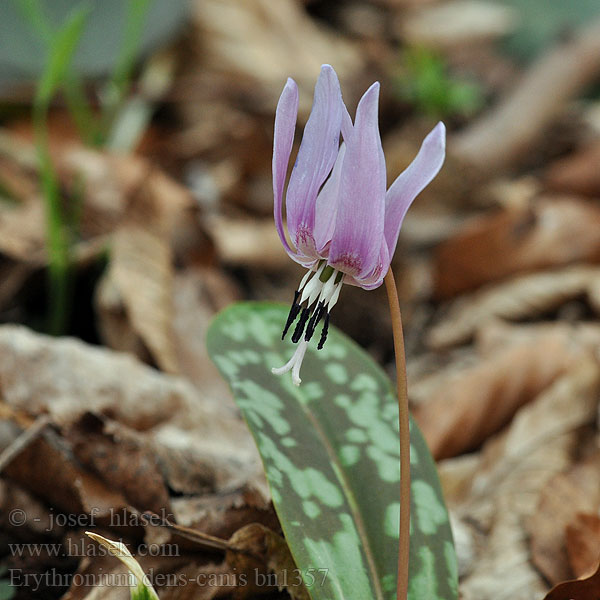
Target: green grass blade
(62, 48)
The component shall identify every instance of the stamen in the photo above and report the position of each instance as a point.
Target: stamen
(300, 326)
(328, 290)
(314, 285)
(314, 320)
(294, 363)
(322, 286)
(335, 295)
(324, 331)
(306, 277)
(294, 310)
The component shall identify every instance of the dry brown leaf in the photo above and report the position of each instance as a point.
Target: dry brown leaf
(506, 487)
(121, 460)
(204, 582)
(257, 562)
(265, 42)
(247, 243)
(46, 468)
(260, 552)
(522, 297)
(136, 298)
(23, 228)
(199, 293)
(552, 232)
(151, 220)
(578, 589)
(509, 131)
(577, 490)
(583, 543)
(39, 523)
(66, 378)
(222, 515)
(473, 403)
(456, 23)
(142, 272)
(104, 577)
(577, 173)
(582, 335)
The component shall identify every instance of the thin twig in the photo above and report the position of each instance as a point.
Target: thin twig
(404, 541)
(204, 540)
(198, 537)
(23, 440)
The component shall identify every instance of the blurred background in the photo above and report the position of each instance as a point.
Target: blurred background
(136, 202)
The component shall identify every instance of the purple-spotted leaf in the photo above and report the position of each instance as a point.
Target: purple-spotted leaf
(331, 455)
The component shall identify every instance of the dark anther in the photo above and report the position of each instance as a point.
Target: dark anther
(324, 331)
(300, 327)
(314, 321)
(294, 310)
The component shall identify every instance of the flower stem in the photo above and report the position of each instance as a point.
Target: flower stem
(404, 541)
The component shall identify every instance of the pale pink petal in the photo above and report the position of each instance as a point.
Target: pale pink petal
(375, 278)
(347, 126)
(326, 208)
(356, 242)
(316, 157)
(283, 138)
(411, 182)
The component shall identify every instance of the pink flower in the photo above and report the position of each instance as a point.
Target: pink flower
(342, 223)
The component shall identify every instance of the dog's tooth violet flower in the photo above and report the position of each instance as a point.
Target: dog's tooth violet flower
(342, 223)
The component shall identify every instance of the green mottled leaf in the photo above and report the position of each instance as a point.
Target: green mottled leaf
(331, 454)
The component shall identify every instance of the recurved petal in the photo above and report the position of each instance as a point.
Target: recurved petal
(411, 182)
(283, 138)
(316, 157)
(358, 234)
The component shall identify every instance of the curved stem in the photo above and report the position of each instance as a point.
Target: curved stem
(404, 541)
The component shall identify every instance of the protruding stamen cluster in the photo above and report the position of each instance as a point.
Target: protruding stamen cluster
(318, 292)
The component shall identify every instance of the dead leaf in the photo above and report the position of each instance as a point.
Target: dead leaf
(188, 430)
(510, 130)
(97, 575)
(142, 272)
(259, 552)
(137, 294)
(247, 243)
(199, 293)
(121, 460)
(39, 523)
(576, 173)
(223, 514)
(552, 232)
(461, 22)
(263, 43)
(47, 469)
(577, 490)
(469, 405)
(578, 589)
(506, 486)
(526, 296)
(583, 543)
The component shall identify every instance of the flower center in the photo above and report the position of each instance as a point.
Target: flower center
(318, 292)
(313, 300)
